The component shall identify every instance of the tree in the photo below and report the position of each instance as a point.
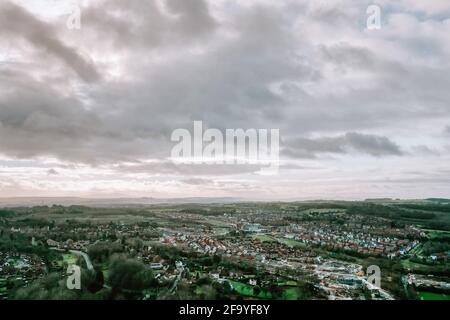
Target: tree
(97, 283)
(51, 287)
(275, 290)
(101, 251)
(129, 274)
(208, 292)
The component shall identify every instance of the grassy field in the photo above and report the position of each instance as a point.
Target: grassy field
(68, 259)
(247, 290)
(220, 231)
(291, 294)
(417, 250)
(289, 291)
(409, 265)
(263, 238)
(433, 296)
(287, 283)
(291, 243)
(217, 223)
(436, 234)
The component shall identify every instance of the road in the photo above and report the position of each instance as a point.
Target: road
(369, 285)
(86, 258)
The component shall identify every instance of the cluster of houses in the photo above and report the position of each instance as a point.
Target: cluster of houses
(359, 240)
(366, 235)
(426, 282)
(18, 269)
(241, 247)
(13, 263)
(69, 244)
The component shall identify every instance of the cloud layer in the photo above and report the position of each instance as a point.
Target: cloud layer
(93, 109)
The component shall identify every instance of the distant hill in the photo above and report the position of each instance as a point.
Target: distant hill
(138, 202)
(107, 202)
(378, 199)
(440, 200)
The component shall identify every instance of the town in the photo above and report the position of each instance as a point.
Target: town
(316, 250)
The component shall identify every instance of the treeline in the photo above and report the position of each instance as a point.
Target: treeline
(442, 270)
(417, 215)
(374, 210)
(390, 212)
(4, 213)
(325, 205)
(209, 211)
(307, 218)
(431, 247)
(35, 223)
(425, 207)
(126, 279)
(101, 251)
(59, 209)
(441, 237)
(53, 287)
(19, 243)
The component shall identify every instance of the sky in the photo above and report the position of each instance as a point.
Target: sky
(89, 112)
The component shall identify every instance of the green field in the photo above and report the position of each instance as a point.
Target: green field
(417, 250)
(217, 223)
(433, 296)
(415, 266)
(263, 237)
(291, 243)
(288, 283)
(291, 294)
(68, 259)
(436, 234)
(247, 290)
(220, 231)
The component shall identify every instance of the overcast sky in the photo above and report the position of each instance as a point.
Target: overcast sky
(89, 112)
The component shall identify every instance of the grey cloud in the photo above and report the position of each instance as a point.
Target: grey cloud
(35, 120)
(344, 54)
(261, 66)
(52, 172)
(142, 25)
(17, 22)
(193, 16)
(373, 145)
(227, 86)
(196, 181)
(180, 169)
(424, 150)
(447, 130)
